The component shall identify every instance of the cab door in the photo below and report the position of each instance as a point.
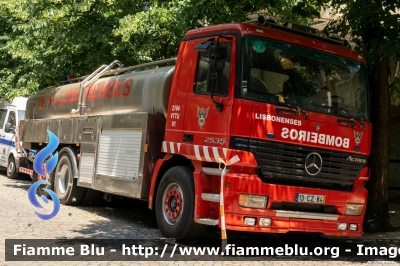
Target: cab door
(3, 138)
(204, 124)
(10, 135)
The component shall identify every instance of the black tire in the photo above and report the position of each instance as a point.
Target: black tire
(175, 205)
(11, 168)
(40, 190)
(34, 177)
(65, 185)
(92, 197)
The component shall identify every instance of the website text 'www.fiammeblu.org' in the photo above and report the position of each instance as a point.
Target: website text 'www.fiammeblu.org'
(233, 250)
(136, 250)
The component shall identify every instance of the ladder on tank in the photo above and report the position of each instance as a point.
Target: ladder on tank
(88, 81)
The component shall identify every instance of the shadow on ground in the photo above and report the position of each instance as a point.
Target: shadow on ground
(130, 218)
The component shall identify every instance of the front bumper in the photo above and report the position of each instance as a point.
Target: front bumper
(290, 220)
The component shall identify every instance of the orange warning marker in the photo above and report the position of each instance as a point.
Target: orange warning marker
(231, 161)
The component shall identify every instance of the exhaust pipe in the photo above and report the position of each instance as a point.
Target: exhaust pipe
(262, 20)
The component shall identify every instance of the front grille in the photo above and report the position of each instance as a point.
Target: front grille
(284, 164)
(304, 207)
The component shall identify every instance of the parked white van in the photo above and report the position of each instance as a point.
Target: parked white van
(10, 115)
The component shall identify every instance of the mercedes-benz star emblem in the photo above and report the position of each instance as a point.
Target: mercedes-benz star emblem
(313, 163)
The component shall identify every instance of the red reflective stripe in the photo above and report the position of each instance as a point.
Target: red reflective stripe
(195, 152)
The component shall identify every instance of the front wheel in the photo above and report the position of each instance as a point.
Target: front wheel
(11, 168)
(175, 205)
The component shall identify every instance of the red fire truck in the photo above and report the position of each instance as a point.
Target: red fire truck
(292, 105)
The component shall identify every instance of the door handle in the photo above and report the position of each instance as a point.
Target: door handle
(285, 110)
(187, 138)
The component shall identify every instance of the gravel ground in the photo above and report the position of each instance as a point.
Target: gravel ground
(123, 219)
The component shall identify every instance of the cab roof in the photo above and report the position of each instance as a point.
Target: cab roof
(18, 102)
(278, 33)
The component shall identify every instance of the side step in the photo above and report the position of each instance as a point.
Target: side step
(208, 221)
(212, 171)
(210, 197)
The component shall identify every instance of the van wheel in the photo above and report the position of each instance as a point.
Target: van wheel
(175, 205)
(11, 168)
(65, 185)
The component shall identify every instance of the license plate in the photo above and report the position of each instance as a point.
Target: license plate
(310, 198)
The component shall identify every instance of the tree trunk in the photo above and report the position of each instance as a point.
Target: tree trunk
(163, 50)
(377, 215)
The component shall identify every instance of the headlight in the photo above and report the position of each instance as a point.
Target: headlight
(253, 201)
(265, 221)
(353, 227)
(354, 209)
(249, 221)
(342, 226)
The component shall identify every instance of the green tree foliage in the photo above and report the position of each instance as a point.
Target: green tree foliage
(43, 41)
(374, 27)
(49, 39)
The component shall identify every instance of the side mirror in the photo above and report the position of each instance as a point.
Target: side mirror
(215, 70)
(216, 66)
(7, 128)
(218, 52)
(214, 51)
(201, 47)
(215, 77)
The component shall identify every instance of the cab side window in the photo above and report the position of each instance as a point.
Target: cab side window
(21, 115)
(3, 114)
(203, 84)
(11, 119)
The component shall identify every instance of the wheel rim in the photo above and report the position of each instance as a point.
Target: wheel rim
(10, 168)
(172, 203)
(63, 178)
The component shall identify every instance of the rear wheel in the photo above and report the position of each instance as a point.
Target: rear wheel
(175, 205)
(11, 168)
(65, 185)
(92, 197)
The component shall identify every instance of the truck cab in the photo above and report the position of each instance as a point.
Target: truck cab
(10, 116)
(293, 107)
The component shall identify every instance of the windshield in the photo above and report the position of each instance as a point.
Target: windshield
(286, 74)
(21, 115)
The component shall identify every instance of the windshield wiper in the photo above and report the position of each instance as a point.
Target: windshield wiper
(293, 109)
(299, 110)
(345, 112)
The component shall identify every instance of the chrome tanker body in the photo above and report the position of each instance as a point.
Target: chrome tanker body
(143, 91)
(108, 132)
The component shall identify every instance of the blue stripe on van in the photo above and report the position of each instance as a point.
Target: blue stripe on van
(7, 142)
